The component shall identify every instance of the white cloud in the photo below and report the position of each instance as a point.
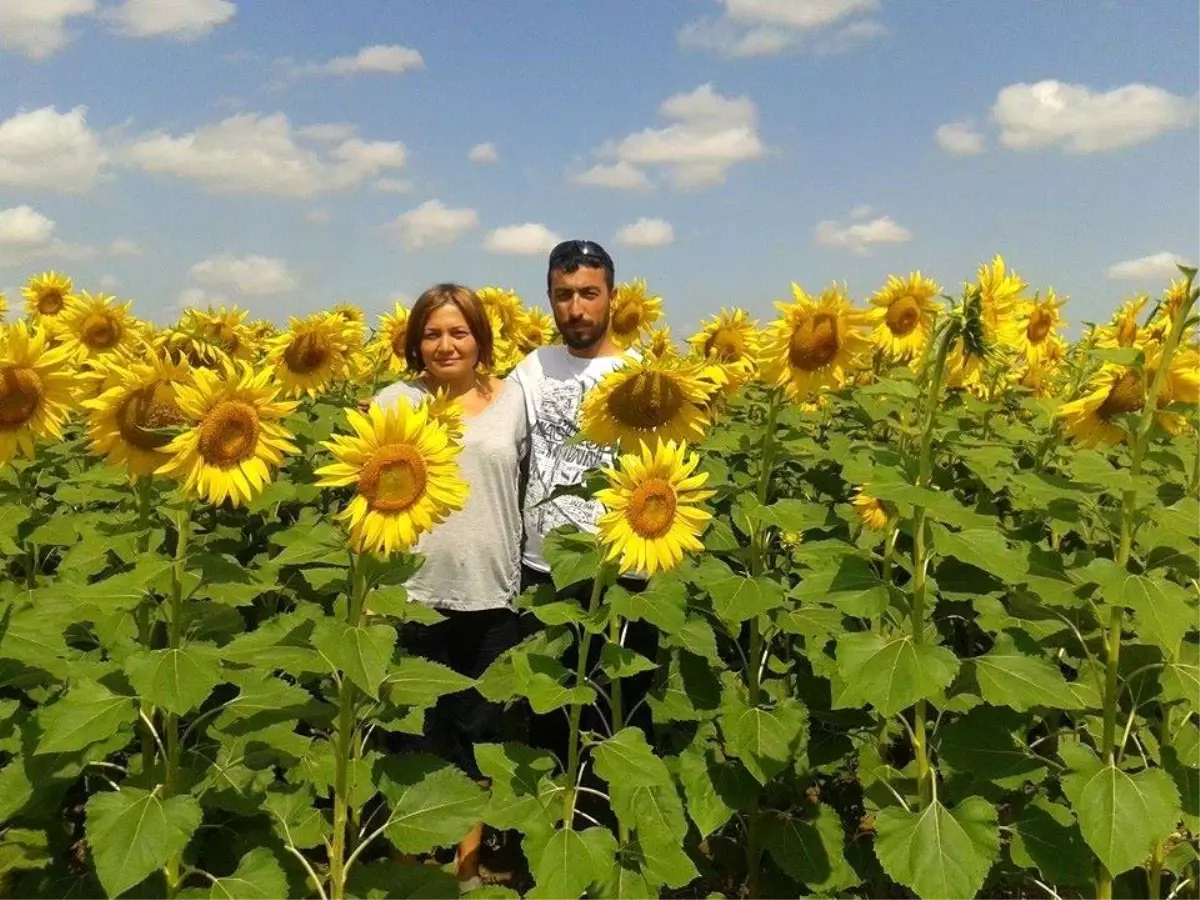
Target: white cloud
(620, 175)
(432, 224)
(252, 154)
(26, 234)
(1155, 267)
(384, 59)
(1080, 120)
(710, 133)
(483, 154)
(331, 133)
(392, 186)
(860, 236)
(38, 28)
(124, 247)
(253, 275)
(182, 19)
(646, 233)
(527, 239)
(960, 139)
(317, 217)
(767, 27)
(48, 149)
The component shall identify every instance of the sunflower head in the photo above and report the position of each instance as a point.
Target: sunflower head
(1034, 332)
(730, 337)
(388, 345)
(634, 310)
(138, 401)
(535, 329)
(312, 354)
(1094, 418)
(904, 310)
(816, 344)
(999, 289)
(504, 307)
(37, 389)
(98, 326)
(402, 464)
(3, 306)
(872, 512)
(647, 398)
(212, 338)
(657, 344)
(47, 296)
(261, 330)
(233, 438)
(654, 513)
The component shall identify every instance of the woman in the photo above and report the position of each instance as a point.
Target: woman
(472, 568)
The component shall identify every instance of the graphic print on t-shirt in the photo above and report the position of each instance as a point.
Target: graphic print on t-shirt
(553, 463)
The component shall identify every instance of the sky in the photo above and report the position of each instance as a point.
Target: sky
(286, 155)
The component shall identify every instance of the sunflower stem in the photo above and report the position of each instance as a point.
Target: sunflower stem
(344, 744)
(603, 575)
(183, 528)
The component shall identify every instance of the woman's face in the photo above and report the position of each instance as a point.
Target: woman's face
(448, 347)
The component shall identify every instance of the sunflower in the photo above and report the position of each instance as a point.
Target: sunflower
(1182, 381)
(731, 337)
(98, 326)
(872, 512)
(3, 305)
(1122, 331)
(1000, 290)
(904, 310)
(137, 400)
(354, 324)
(36, 389)
(403, 466)
(1112, 392)
(658, 344)
(211, 338)
(388, 345)
(535, 329)
(645, 398)
(46, 297)
(261, 330)
(1034, 329)
(235, 435)
(815, 344)
(653, 513)
(634, 310)
(503, 306)
(1040, 376)
(312, 354)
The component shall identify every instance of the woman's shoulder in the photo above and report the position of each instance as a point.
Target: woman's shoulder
(401, 390)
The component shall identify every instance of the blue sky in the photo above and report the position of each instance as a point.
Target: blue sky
(289, 155)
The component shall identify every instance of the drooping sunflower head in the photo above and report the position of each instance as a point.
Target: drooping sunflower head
(653, 508)
(1094, 418)
(311, 355)
(815, 344)
(448, 412)
(3, 306)
(634, 310)
(125, 421)
(999, 291)
(1035, 324)
(872, 512)
(261, 330)
(212, 338)
(233, 437)
(644, 399)
(46, 297)
(904, 312)
(730, 337)
(98, 326)
(505, 308)
(657, 344)
(36, 389)
(388, 345)
(535, 329)
(1123, 330)
(402, 464)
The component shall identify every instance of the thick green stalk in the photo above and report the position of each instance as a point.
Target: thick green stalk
(617, 706)
(585, 644)
(344, 745)
(141, 615)
(183, 527)
(1154, 872)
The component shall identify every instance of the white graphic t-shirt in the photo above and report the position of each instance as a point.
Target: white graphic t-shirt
(554, 383)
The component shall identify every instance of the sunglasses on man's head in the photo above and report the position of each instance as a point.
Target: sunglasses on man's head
(582, 248)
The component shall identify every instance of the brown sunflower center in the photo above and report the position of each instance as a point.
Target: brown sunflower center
(647, 400)
(1040, 323)
(20, 396)
(229, 434)
(652, 508)
(902, 316)
(627, 319)
(814, 342)
(143, 411)
(725, 344)
(307, 353)
(394, 479)
(100, 331)
(1125, 396)
(50, 302)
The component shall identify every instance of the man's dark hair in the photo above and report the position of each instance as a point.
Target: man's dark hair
(569, 256)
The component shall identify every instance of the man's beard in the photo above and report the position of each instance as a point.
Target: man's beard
(589, 339)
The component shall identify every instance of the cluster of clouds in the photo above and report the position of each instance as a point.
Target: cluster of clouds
(746, 28)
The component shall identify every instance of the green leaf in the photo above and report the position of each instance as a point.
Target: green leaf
(133, 832)
(1180, 678)
(259, 876)
(547, 684)
(264, 702)
(892, 673)
(765, 740)
(413, 681)
(853, 587)
(661, 603)
(624, 882)
(432, 804)
(1120, 815)
(661, 827)
(626, 760)
(23, 849)
(295, 819)
(696, 636)
(315, 542)
(810, 848)
(1008, 677)
(689, 693)
(984, 548)
(177, 680)
(571, 861)
(1164, 611)
(714, 790)
(737, 598)
(87, 713)
(385, 879)
(793, 515)
(362, 652)
(621, 662)
(939, 852)
(572, 555)
(1046, 837)
(522, 795)
(981, 745)
(57, 530)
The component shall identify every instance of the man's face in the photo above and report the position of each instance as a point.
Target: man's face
(580, 303)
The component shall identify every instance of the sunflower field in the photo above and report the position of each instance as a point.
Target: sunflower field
(923, 574)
